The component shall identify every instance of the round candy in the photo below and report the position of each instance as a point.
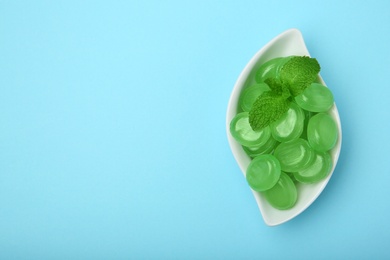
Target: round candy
(315, 98)
(295, 155)
(322, 132)
(268, 147)
(270, 69)
(250, 94)
(290, 125)
(263, 172)
(317, 171)
(243, 133)
(283, 195)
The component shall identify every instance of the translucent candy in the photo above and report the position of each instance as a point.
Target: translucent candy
(290, 125)
(317, 171)
(268, 147)
(315, 98)
(242, 132)
(270, 69)
(322, 132)
(295, 155)
(284, 194)
(250, 94)
(263, 172)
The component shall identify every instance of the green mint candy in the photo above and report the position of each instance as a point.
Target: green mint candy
(268, 147)
(250, 94)
(263, 172)
(283, 195)
(295, 155)
(322, 132)
(290, 125)
(315, 98)
(270, 69)
(317, 171)
(243, 133)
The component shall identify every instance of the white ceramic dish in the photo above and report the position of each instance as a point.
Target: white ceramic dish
(288, 43)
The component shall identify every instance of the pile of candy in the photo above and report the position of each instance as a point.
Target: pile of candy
(292, 148)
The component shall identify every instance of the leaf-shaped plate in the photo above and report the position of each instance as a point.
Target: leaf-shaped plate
(288, 43)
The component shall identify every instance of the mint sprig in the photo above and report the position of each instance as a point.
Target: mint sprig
(295, 76)
(270, 106)
(299, 72)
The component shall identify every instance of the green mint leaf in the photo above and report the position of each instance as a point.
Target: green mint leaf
(267, 108)
(299, 72)
(278, 87)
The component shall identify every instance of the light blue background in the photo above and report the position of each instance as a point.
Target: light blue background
(112, 130)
